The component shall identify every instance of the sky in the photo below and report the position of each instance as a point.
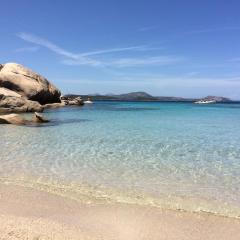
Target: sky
(182, 48)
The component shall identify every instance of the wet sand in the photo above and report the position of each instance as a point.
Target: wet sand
(26, 213)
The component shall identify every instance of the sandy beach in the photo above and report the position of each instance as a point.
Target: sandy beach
(26, 213)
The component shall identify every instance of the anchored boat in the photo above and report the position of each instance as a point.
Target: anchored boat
(205, 101)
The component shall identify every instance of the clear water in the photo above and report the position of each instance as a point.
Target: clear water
(171, 155)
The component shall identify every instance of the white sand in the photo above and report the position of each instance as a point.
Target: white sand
(26, 213)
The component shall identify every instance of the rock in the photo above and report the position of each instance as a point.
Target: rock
(18, 104)
(54, 105)
(12, 119)
(18, 119)
(8, 93)
(76, 101)
(38, 118)
(28, 84)
(72, 100)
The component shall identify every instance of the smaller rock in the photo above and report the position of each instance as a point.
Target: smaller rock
(76, 101)
(18, 119)
(72, 100)
(12, 118)
(38, 118)
(54, 105)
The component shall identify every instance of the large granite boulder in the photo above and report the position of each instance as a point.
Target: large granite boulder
(28, 84)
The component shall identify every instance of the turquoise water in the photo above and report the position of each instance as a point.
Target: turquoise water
(172, 155)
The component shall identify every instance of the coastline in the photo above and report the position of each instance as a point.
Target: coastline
(85, 193)
(28, 213)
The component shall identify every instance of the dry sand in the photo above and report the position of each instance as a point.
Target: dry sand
(26, 213)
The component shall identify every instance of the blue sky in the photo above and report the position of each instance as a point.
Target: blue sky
(167, 47)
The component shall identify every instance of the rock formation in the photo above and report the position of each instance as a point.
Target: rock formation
(28, 84)
(22, 90)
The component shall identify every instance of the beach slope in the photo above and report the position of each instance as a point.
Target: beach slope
(26, 213)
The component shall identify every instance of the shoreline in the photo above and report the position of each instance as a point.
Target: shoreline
(36, 214)
(85, 193)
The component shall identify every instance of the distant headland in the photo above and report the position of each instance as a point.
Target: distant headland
(143, 96)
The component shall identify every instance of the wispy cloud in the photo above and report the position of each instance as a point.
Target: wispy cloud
(89, 58)
(27, 49)
(132, 62)
(45, 43)
(112, 50)
(160, 60)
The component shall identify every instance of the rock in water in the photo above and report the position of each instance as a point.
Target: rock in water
(38, 118)
(12, 119)
(28, 84)
(54, 105)
(18, 119)
(72, 100)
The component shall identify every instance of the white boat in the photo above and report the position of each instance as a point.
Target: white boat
(205, 101)
(88, 102)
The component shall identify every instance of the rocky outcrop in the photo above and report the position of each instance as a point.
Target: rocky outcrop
(28, 84)
(22, 90)
(72, 100)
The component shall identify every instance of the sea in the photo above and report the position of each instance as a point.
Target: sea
(169, 155)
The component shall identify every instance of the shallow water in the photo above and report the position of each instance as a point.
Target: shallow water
(174, 155)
